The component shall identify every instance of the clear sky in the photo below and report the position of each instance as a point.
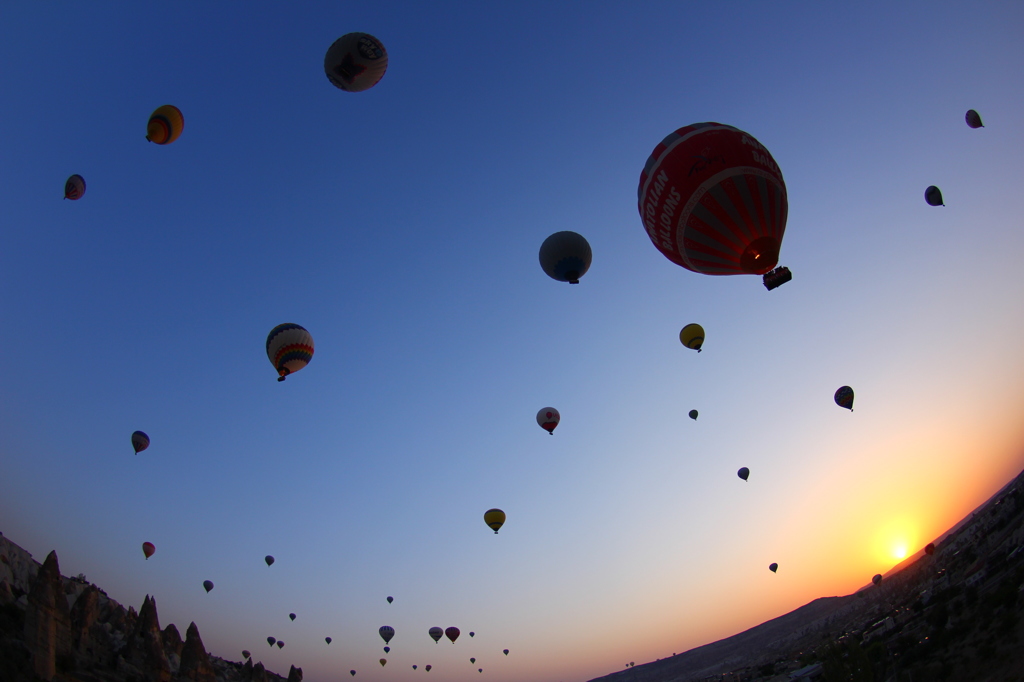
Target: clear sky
(401, 227)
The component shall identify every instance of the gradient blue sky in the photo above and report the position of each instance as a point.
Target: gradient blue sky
(401, 227)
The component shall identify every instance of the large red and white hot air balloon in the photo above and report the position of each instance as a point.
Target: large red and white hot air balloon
(713, 201)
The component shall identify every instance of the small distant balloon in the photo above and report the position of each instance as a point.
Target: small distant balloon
(844, 397)
(428, 667)
(974, 119)
(743, 473)
(269, 559)
(271, 641)
(693, 415)
(877, 579)
(280, 644)
(328, 640)
(391, 599)
(355, 62)
(565, 256)
(386, 633)
(292, 616)
(692, 336)
(289, 348)
(149, 549)
(140, 441)
(494, 518)
(74, 188)
(472, 634)
(548, 419)
(933, 195)
(435, 633)
(505, 651)
(479, 670)
(387, 650)
(452, 633)
(472, 660)
(352, 673)
(165, 124)
(207, 585)
(245, 653)
(929, 549)
(773, 567)
(413, 666)
(383, 662)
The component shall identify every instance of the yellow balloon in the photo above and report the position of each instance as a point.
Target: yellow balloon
(692, 336)
(494, 518)
(165, 124)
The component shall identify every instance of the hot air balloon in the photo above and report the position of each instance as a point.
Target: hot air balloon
(165, 124)
(877, 579)
(436, 633)
(933, 195)
(413, 666)
(743, 473)
(386, 633)
(292, 616)
(383, 662)
(290, 348)
(280, 644)
(494, 518)
(207, 585)
(140, 441)
(565, 256)
(387, 650)
(974, 119)
(269, 559)
(391, 599)
(844, 397)
(245, 653)
(452, 633)
(74, 188)
(352, 673)
(505, 651)
(713, 201)
(472, 660)
(355, 62)
(479, 670)
(692, 336)
(693, 415)
(548, 419)
(427, 668)
(773, 567)
(472, 634)
(271, 641)
(149, 549)
(929, 549)
(328, 640)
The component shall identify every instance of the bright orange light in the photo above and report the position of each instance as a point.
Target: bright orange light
(894, 539)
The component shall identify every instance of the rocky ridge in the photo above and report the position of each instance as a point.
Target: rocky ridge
(68, 630)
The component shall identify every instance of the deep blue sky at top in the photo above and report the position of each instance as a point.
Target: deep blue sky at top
(401, 227)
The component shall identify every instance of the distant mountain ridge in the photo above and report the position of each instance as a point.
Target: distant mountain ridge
(982, 555)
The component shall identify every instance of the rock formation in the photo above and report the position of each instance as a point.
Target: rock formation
(47, 620)
(295, 674)
(195, 662)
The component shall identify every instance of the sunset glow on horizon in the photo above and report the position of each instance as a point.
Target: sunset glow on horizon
(401, 227)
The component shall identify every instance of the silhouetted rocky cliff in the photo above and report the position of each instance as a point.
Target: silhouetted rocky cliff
(67, 630)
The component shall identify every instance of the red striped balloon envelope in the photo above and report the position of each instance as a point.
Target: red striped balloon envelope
(713, 200)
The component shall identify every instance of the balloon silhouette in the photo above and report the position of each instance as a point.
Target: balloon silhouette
(933, 195)
(74, 188)
(773, 568)
(844, 397)
(207, 585)
(165, 124)
(494, 518)
(973, 119)
(565, 256)
(743, 473)
(355, 62)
